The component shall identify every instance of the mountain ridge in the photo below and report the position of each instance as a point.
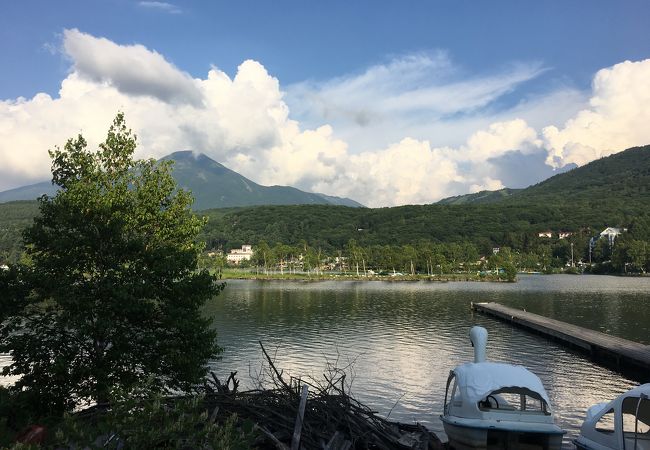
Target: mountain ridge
(213, 185)
(602, 178)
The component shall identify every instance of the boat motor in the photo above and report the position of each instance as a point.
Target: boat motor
(478, 337)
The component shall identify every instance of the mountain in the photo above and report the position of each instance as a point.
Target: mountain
(213, 186)
(30, 192)
(481, 197)
(216, 186)
(623, 176)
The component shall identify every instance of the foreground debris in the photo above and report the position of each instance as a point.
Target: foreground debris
(332, 420)
(291, 413)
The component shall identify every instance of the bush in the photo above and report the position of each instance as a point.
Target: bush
(155, 422)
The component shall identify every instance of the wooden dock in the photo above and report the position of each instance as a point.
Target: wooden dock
(613, 351)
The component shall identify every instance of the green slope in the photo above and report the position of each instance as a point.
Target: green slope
(481, 197)
(14, 217)
(624, 176)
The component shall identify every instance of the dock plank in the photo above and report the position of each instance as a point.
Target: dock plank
(623, 351)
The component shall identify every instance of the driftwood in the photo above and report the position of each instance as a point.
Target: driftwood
(332, 419)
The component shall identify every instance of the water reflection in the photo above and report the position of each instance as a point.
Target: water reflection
(405, 337)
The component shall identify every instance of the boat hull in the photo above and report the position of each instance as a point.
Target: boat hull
(464, 437)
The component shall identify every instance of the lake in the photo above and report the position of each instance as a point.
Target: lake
(401, 339)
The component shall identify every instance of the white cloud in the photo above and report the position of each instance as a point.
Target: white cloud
(244, 121)
(617, 117)
(500, 138)
(161, 6)
(131, 69)
(418, 95)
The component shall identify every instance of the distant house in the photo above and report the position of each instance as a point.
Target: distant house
(545, 234)
(237, 255)
(496, 250)
(564, 234)
(611, 233)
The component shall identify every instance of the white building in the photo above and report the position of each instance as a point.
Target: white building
(611, 234)
(238, 255)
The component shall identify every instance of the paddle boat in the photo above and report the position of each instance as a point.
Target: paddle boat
(623, 423)
(497, 406)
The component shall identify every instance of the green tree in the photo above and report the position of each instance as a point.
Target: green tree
(115, 291)
(262, 256)
(602, 251)
(409, 258)
(630, 254)
(282, 254)
(356, 255)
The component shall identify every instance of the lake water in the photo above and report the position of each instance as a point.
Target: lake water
(403, 338)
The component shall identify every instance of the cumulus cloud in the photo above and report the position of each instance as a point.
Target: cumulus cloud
(245, 121)
(617, 117)
(131, 69)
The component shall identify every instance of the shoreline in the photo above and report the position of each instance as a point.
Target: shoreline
(446, 278)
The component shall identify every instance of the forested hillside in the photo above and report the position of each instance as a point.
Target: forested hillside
(14, 217)
(479, 197)
(331, 227)
(624, 175)
(613, 191)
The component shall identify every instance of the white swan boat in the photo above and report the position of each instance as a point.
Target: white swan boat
(622, 424)
(497, 406)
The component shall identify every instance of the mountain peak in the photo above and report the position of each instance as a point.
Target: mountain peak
(212, 184)
(192, 157)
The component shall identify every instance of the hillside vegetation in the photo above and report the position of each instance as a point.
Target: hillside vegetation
(613, 191)
(14, 218)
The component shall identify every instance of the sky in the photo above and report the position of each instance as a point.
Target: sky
(384, 102)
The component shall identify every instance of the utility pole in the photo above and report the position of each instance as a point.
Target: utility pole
(572, 265)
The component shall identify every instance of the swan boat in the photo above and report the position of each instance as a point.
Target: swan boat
(623, 423)
(497, 406)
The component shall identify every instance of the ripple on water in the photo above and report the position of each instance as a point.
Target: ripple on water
(404, 338)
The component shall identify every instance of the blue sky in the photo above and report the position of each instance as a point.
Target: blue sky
(337, 90)
(300, 40)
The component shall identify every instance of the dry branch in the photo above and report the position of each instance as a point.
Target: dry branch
(332, 419)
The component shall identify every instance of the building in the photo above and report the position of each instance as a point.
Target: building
(545, 234)
(611, 234)
(564, 234)
(237, 255)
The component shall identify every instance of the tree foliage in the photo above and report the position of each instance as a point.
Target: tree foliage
(114, 294)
